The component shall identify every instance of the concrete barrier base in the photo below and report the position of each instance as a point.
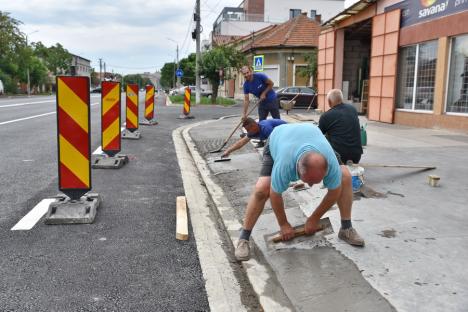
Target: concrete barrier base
(135, 135)
(67, 211)
(107, 162)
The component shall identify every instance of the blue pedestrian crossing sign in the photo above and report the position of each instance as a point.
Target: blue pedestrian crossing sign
(258, 62)
(179, 73)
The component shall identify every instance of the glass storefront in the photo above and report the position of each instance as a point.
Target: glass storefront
(417, 67)
(457, 88)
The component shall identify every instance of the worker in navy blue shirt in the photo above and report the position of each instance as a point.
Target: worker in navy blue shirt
(260, 130)
(261, 86)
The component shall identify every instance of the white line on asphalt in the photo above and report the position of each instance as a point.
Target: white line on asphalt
(22, 104)
(25, 118)
(30, 220)
(31, 117)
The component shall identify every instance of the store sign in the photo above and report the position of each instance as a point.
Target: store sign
(418, 11)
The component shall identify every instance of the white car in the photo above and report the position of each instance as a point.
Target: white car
(2, 90)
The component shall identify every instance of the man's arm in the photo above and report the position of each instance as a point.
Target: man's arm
(312, 224)
(277, 204)
(246, 106)
(239, 144)
(269, 86)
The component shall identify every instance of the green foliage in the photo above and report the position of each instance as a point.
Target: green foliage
(221, 58)
(16, 57)
(204, 100)
(136, 78)
(167, 75)
(311, 69)
(188, 66)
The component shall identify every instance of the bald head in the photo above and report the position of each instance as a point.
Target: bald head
(334, 97)
(312, 167)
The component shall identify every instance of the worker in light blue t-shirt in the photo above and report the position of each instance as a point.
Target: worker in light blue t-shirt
(293, 152)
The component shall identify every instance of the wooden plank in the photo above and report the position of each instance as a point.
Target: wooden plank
(397, 166)
(181, 220)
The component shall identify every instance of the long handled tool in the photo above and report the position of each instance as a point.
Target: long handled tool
(397, 166)
(233, 131)
(311, 102)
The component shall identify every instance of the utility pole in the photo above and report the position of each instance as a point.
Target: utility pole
(104, 71)
(27, 69)
(197, 59)
(178, 66)
(100, 69)
(173, 76)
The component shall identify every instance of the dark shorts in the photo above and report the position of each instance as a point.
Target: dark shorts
(267, 161)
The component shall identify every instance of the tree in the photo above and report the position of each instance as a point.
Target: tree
(167, 75)
(12, 41)
(220, 58)
(136, 78)
(311, 69)
(58, 59)
(188, 66)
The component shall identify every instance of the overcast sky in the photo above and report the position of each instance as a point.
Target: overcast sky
(129, 35)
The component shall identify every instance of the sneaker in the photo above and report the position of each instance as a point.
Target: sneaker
(260, 144)
(242, 252)
(351, 236)
(242, 135)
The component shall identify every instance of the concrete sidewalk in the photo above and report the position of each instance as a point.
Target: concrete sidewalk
(415, 234)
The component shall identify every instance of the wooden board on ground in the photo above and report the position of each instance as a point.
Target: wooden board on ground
(182, 220)
(300, 231)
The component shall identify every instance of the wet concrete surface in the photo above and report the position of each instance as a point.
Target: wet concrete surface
(314, 275)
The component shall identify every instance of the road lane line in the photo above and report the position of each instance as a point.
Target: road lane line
(22, 104)
(31, 117)
(30, 220)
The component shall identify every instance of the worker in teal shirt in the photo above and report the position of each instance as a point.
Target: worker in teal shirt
(260, 131)
(293, 152)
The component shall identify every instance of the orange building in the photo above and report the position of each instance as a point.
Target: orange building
(403, 62)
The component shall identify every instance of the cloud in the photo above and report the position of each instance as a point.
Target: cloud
(126, 34)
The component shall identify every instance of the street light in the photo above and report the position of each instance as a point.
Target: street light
(177, 53)
(27, 69)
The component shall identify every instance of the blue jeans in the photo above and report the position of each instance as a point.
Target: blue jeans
(268, 107)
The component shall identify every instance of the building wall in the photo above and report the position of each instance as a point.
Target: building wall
(278, 10)
(82, 66)
(240, 28)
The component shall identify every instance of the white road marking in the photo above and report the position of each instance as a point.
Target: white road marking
(31, 117)
(30, 220)
(25, 118)
(28, 103)
(98, 151)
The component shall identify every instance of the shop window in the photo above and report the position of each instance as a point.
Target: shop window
(457, 91)
(416, 76)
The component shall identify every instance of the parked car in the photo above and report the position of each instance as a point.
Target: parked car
(181, 91)
(305, 97)
(96, 90)
(2, 90)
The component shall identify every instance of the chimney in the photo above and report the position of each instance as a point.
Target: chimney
(318, 18)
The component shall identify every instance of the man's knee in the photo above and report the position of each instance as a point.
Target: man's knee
(262, 190)
(346, 178)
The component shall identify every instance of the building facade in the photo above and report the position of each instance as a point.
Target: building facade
(80, 66)
(403, 62)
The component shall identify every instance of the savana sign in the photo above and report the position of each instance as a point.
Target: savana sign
(418, 11)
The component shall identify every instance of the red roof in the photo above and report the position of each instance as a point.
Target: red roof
(224, 39)
(300, 31)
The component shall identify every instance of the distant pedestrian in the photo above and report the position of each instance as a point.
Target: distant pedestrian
(341, 127)
(260, 130)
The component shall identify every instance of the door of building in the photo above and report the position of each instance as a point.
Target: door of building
(383, 66)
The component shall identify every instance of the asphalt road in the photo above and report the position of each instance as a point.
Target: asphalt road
(128, 260)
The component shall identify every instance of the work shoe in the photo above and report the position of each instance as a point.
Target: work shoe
(242, 252)
(243, 134)
(260, 144)
(351, 236)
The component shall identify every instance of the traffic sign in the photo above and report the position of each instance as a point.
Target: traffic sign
(258, 62)
(179, 73)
